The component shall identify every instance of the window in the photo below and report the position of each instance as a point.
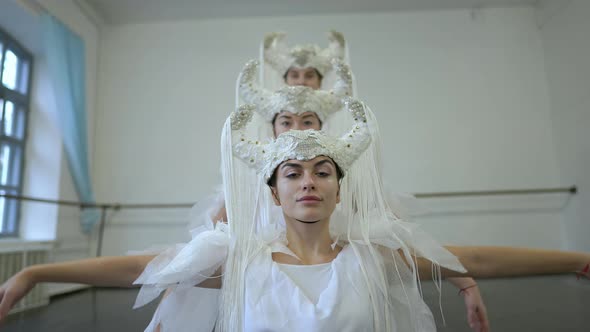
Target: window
(15, 82)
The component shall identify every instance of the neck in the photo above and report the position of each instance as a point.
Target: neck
(311, 242)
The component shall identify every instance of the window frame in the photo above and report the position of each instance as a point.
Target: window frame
(10, 217)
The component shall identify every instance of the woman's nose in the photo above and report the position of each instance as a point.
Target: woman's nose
(308, 182)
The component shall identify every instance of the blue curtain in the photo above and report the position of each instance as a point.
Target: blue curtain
(66, 62)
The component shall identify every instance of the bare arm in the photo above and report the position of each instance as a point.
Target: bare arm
(461, 283)
(103, 271)
(499, 262)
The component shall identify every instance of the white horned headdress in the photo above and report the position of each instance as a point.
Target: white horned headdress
(300, 144)
(295, 99)
(282, 57)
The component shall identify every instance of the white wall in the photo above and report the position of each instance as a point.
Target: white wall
(461, 96)
(567, 53)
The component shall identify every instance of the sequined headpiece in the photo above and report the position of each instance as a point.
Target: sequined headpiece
(279, 56)
(300, 144)
(295, 99)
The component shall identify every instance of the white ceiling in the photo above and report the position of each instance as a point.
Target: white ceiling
(144, 11)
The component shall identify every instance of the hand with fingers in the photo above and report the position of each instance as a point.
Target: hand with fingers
(477, 316)
(13, 290)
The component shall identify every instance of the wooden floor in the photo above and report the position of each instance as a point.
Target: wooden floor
(90, 310)
(541, 304)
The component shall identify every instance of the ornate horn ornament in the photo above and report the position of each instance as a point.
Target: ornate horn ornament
(279, 56)
(300, 144)
(295, 99)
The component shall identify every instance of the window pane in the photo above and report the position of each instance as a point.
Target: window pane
(10, 70)
(7, 118)
(4, 163)
(10, 162)
(19, 123)
(8, 209)
(23, 76)
(2, 219)
(13, 120)
(15, 73)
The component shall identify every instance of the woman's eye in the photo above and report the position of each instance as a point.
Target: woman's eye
(308, 123)
(323, 174)
(291, 175)
(285, 123)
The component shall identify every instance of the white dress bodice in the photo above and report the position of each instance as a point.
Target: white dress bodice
(325, 297)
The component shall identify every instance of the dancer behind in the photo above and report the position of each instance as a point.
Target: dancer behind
(305, 65)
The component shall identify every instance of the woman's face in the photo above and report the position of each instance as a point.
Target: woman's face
(286, 121)
(303, 76)
(307, 191)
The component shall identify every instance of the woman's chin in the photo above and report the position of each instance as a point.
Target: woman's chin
(310, 218)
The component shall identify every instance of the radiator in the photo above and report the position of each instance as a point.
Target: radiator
(13, 261)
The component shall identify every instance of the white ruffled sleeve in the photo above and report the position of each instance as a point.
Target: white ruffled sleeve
(185, 265)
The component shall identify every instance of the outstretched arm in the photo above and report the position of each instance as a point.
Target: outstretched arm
(103, 271)
(499, 262)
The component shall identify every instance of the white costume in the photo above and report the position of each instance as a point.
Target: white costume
(367, 287)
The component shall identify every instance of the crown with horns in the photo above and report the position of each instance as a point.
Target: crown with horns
(281, 57)
(300, 144)
(295, 99)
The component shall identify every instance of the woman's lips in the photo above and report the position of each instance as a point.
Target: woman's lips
(309, 199)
